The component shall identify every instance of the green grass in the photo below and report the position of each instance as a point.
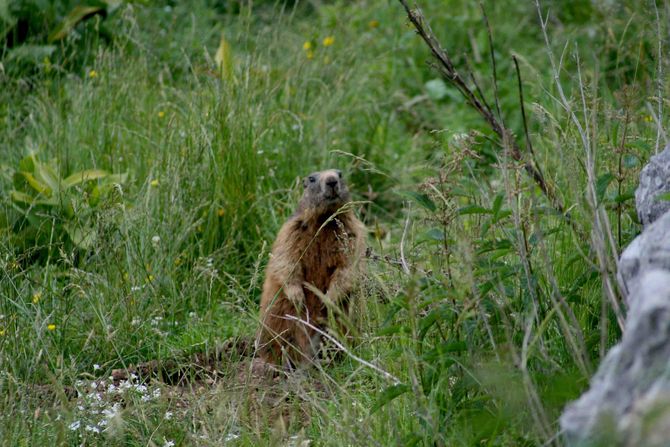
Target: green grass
(501, 321)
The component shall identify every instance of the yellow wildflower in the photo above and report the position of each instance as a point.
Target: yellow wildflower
(373, 24)
(92, 74)
(648, 118)
(328, 41)
(2, 331)
(310, 54)
(36, 297)
(161, 114)
(154, 182)
(151, 278)
(51, 327)
(307, 46)
(221, 212)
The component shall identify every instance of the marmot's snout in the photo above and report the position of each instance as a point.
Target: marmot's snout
(330, 185)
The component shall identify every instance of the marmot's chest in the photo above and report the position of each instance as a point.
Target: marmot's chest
(329, 250)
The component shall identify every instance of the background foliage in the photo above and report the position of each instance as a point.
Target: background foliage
(184, 128)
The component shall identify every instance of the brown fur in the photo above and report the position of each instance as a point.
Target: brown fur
(320, 246)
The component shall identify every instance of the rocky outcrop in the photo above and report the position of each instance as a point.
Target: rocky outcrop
(649, 251)
(628, 403)
(654, 182)
(632, 384)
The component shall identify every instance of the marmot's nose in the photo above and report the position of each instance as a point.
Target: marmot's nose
(331, 182)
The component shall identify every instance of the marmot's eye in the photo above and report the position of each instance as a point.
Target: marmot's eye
(312, 179)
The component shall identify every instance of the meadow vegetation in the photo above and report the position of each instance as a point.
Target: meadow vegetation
(150, 151)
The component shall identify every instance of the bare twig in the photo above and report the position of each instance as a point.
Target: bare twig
(529, 144)
(494, 70)
(345, 350)
(451, 74)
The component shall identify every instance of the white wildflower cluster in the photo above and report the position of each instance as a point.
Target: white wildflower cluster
(99, 402)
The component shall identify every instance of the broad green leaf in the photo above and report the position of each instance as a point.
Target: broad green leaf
(501, 215)
(45, 174)
(78, 14)
(473, 209)
(224, 59)
(36, 184)
(624, 197)
(388, 395)
(427, 321)
(83, 176)
(601, 185)
(21, 197)
(27, 163)
(497, 204)
(392, 329)
(421, 199)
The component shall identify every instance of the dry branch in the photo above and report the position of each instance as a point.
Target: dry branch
(476, 100)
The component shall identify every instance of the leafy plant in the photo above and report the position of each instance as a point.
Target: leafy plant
(50, 208)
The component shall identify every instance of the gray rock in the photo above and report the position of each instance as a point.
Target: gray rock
(650, 250)
(628, 403)
(654, 180)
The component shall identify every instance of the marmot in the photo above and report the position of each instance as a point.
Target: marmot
(319, 247)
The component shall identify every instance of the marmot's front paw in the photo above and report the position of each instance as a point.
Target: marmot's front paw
(298, 300)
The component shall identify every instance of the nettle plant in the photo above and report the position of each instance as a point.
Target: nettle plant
(48, 210)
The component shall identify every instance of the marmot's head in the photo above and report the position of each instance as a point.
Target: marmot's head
(325, 191)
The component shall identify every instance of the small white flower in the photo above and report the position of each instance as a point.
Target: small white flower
(92, 428)
(168, 415)
(156, 240)
(96, 367)
(168, 443)
(231, 437)
(74, 426)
